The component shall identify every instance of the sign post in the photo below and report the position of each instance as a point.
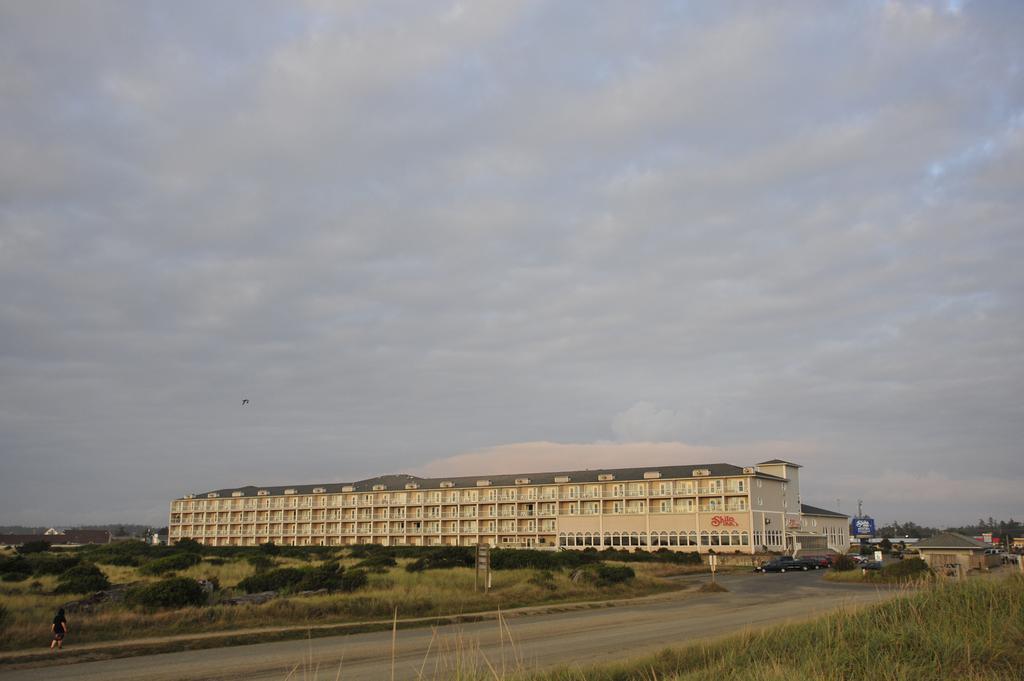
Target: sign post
(713, 562)
(483, 568)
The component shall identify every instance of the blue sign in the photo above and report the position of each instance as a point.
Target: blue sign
(862, 527)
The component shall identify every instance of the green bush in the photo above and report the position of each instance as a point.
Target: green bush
(261, 562)
(843, 563)
(5, 615)
(33, 547)
(16, 565)
(614, 574)
(188, 545)
(270, 548)
(330, 576)
(281, 579)
(518, 559)
(175, 592)
(84, 578)
(377, 563)
(14, 577)
(125, 553)
(52, 563)
(441, 558)
(172, 563)
(353, 579)
(544, 579)
(325, 576)
(908, 568)
(367, 550)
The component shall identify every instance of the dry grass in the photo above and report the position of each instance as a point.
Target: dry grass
(969, 631)
(413, 594)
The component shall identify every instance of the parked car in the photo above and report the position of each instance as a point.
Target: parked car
(871, 565)
(785, 563)
(820, 562)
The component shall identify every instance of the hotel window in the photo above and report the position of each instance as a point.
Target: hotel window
(666, 506)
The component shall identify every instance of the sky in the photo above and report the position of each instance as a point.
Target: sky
(460, 238)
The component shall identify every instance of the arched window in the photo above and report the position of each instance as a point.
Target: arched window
(607, 539)
(735, 537)
(693, 537)
(745, 538)
(634, 539)
(715, 539)
(704, 538)
(673, 539)
(561, 539)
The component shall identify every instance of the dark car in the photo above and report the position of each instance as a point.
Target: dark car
(820, 562)
(784, 564)
(871, 565)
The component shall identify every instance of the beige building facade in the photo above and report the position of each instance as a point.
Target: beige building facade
(720, 507)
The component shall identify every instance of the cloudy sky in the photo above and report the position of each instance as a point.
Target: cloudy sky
(499, 236)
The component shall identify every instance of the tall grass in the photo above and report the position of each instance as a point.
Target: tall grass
(970, 631)
(420, 594)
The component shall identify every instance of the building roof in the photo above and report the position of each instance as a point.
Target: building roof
(788, 463)
(814, 510)
(950, 540)
(398, 482)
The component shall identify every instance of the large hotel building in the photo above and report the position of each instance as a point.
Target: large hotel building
(686, 508)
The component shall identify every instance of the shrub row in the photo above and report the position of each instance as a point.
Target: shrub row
(443, 557)
(330, 576)
(171, 563)
(38, 564)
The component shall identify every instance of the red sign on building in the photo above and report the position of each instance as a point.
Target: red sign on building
(724, 521)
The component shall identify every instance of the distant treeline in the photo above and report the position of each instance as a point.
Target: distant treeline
(999, 528)
(116, 530)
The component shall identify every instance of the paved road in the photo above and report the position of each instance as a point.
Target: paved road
(575, 637)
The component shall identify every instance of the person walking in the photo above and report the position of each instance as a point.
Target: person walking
(59, 629)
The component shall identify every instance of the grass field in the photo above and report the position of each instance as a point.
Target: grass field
(30, 603)
(968, 631)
